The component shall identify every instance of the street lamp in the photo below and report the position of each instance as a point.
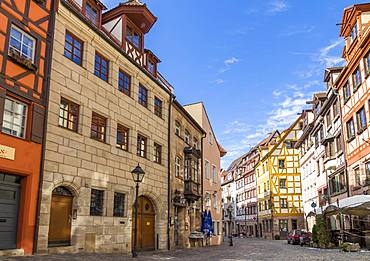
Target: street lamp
(229, 209)
(138, 176)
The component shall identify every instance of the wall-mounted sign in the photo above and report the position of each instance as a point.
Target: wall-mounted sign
(7, 152)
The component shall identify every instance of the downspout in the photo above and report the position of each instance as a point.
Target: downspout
(202, 173)
(49, 54)
(169, 173)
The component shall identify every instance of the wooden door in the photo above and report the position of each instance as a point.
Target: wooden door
(60, 220)
(146, 225)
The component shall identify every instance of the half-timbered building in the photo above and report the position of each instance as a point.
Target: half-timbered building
(26, 30)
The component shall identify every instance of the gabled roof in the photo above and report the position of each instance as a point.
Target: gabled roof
(349, 15)
(268, 139)
(329, 71)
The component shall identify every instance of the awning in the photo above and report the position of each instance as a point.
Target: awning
(358, 205)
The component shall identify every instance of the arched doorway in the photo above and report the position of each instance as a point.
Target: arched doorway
(145, 225)
(60, 217)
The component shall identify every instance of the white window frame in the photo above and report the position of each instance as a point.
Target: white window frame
(177, 128)
(12, 123)
(187, 137)
(214, 174)
(207, 167)
(21, 42)
(178, 166)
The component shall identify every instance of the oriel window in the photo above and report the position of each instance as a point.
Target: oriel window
(68, 114)
(98, 127)
(73, 48)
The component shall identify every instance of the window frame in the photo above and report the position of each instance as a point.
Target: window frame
(73, 47)
(157, 156)
(101, 201)
(120, 213)
(98, 120)
(26, 115)
(158, 107)
(125, 131)
(187, 137)
(360, 121)
(207, 173)
(141, 101)
(283, 203)
(280, 183)
(19, 52)
(281, 166)
(178, 128)
(98, 70)
(93, 7)
(356, 79)
(178, 161)
(367, 64)
(70, 112)
(123, 88)
(131, 27)
(142, 152)
(347, 92)
(349, 129)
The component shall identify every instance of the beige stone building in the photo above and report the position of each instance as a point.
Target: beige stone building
(185, 185)
(108, 111)
(211, 153)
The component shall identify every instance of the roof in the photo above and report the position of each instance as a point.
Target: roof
(331, 70)
(133, 2)
(349, 14)
(189, 117)
(268, 139)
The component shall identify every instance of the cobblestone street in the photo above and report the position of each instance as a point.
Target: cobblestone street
(243, 249)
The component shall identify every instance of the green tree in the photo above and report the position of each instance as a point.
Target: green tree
(322, 231)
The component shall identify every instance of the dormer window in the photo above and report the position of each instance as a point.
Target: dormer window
(354, 33)
(151, 67)
(133, 37)
(91, 13)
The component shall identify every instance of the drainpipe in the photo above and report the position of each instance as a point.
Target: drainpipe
(202, 172)
(172, 97)
(49, 54)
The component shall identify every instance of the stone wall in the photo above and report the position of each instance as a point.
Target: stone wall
(74, 160)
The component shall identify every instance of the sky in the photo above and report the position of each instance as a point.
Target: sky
(253, 63)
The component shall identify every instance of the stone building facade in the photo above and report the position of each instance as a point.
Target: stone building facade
(185, 184)
(108, 111)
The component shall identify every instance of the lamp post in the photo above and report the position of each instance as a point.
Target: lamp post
(138, 176)
(229, 209)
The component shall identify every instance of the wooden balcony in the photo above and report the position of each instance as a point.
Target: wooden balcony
(191, 190)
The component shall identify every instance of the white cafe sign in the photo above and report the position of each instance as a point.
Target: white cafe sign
(7, 152)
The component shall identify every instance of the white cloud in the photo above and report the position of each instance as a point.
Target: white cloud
(277, 6)
(219, 81)
(298, 30)
(328, 60)
(231, 60)
(227, 64)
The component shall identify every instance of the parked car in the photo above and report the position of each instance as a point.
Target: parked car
(299, 237)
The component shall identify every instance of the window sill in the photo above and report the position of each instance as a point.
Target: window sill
(67, 129)
(350, 139)
(106, 81)
(28, 64)
(79, 64)
(119, 147)
(101, 141)
(360, 131)
(20, 138)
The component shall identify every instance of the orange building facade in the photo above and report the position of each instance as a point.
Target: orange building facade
(25, 34)
(353, 86)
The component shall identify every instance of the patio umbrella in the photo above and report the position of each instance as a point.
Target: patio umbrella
(211, 228)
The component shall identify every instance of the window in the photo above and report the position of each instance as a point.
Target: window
(21, 44)
(96, 202)
(357, 176)
(122, 137)
(336, 109)
(177, 128)
(210, 137)
(283, 183)
(68, 114)
(294, 224)
(124, 82)
(151, 66)
(187, 137)
(101, 67)
(73, 48)
(367, 169)
(15, 117)
(367, 64)
(98, 127)
(350, 129)
(157, 153)
(208, 169)
(283, 203)
(317, 141)
(119, 204)
(339, 143)
(133, 37)
(195, 143)
(214, 174)
(361, 120)
(178, 166)
(215, 201)
(281, 164)
(91, 13)
(356, 78)
(143, 96)
(328, 118)
(158, 107)
(141, 146)
(346, 92)
(330, 150)
(354, 33)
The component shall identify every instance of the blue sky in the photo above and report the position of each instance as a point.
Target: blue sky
(253, 63)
